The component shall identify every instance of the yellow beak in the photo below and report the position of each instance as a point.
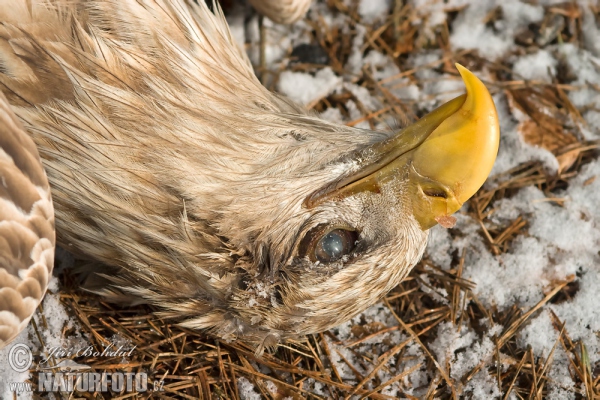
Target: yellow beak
(456, 159)
(445, 157)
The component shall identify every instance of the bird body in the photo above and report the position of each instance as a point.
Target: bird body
(173, 166)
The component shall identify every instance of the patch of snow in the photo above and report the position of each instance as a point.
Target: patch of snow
(471, 32)
(370, 10)
(57, 319)
(513, 149)
(438, 247)
(247, 390)
(355, 61)
(305, 88)
(540, 65)
(541, 335)
(8, 374)
(332, 115)
(362, 94)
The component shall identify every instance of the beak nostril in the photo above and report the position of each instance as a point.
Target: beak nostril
(435, 193)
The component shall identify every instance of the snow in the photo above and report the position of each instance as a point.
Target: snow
(471, 32)
(540, 65)
(305, 88)
(355, 61)
(57, 319)
(8, 374)
(371, 10)
(513, 148)
(541, 336)
(590, 32)
(247, 390)
(586, 68)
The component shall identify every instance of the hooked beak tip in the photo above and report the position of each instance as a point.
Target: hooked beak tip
(458, 156)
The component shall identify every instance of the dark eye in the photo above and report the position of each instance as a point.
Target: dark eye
(334, 245)
(326, 243)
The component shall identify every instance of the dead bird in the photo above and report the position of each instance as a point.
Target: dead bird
(225, 206)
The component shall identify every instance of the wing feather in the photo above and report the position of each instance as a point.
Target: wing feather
(27, 235)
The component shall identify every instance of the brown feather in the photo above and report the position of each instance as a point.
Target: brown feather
(26, 227)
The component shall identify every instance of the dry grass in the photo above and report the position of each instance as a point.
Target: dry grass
(191, 365)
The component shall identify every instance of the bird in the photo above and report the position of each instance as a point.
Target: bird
(228, 208)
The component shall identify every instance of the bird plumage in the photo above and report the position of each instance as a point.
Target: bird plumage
(172, 164)
(26, 226)
(282, 11)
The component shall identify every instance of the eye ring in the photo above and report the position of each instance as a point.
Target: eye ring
(326, 244)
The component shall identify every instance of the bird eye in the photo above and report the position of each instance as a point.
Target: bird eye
(326, 244)
(334, 245)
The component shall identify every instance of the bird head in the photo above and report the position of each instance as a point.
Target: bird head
(340, 223)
